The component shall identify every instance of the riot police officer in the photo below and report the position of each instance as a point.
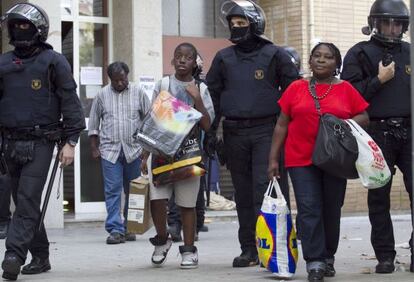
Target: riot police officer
(380, 70)
(245, 82)
(37, 90)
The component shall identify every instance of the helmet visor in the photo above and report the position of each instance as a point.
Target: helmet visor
(389, 29)
(29, 12)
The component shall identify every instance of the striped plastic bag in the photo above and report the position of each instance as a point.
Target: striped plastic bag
(275, 235)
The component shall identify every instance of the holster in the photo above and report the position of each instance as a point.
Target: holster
(22, 152)
(399, 127)
(3, 164)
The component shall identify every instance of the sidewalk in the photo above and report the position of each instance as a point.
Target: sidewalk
(79, 253)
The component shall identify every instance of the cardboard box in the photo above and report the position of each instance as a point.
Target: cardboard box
(139, 213)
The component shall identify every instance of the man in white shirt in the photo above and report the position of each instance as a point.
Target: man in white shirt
(116, 113)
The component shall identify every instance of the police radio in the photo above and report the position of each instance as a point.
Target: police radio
(387, 59)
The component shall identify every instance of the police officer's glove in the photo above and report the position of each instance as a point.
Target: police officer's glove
(209, 144)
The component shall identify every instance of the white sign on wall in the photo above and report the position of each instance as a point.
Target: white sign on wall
(91, 76)
(148, 83)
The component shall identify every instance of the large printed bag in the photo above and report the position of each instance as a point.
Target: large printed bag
(372, 168)
(166, 125)
(275, 234)
(186, 163)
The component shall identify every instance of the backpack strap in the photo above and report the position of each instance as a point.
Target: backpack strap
(165, 83)
(202, 87)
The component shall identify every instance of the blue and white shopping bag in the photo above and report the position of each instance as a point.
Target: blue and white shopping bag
(275, 234)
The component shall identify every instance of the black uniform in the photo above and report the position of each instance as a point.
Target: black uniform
(390, 126)
(36, 92)
(245, 88)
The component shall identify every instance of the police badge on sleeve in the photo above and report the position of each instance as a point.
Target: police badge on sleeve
(408, 69)
(36, 84)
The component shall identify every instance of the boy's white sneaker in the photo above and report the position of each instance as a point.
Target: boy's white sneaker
(161, 248)
(189, 257)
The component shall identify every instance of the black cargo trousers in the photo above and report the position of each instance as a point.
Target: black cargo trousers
(395, 143)
(26, 180)
(247, 146)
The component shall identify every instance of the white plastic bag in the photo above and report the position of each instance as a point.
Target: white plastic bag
(372, 168)
(275, 234)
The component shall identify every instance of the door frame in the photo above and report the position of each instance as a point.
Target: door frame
(85, 207)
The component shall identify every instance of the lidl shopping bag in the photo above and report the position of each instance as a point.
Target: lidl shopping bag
(372, 168)
(275, 234)
(166, 125)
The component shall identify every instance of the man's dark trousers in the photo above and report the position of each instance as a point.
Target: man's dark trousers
(247, 156)
(27, 182)
(397, 152)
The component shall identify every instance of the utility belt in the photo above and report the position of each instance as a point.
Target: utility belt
(50, 132)
(399, 127)
(387, 123)
(250, 122)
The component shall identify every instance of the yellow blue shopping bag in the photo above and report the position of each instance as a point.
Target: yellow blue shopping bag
(275, 234)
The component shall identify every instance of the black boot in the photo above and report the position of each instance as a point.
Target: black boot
(412, 263)
(316, 275)
(36, 266)
(247, 258)
(11, 266)
(385, 266)
(330, 270)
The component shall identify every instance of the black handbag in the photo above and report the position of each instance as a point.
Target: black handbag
(336, 149)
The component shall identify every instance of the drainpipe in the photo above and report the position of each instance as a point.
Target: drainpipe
(311, 23)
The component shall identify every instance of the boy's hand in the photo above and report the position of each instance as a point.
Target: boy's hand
(193, 90)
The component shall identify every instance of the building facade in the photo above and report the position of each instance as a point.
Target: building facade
(93, 33)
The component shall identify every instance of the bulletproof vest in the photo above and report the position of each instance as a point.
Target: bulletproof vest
(392, 99)
(248, 92)
(28, 99)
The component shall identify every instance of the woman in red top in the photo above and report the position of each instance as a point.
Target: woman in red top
(319, 195)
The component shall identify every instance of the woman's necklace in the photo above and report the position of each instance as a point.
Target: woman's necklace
(315, 96)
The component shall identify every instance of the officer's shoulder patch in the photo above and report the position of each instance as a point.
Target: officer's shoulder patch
(36, 84)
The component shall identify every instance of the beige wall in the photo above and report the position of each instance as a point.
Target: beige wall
(137, 36)
(289, 22)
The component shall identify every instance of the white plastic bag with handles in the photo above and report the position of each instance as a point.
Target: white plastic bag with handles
(275, 234)
(372, 168)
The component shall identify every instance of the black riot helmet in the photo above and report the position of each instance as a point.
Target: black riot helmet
(388, 20)
(27, 13)
(249, 10)
(294, 57)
